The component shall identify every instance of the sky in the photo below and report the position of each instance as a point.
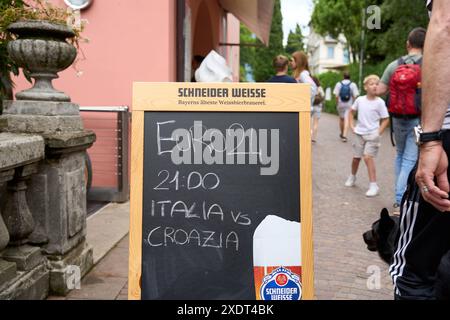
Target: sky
(296, 11)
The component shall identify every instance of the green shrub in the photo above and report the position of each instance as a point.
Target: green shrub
(330, 106)
(330, 78)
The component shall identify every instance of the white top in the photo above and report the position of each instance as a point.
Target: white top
(353, 88)
(370, 112)
(305, 77)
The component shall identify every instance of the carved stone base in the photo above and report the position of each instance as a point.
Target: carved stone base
(47, 108)
(42, 124)
(64, 270)
(25, 257)
(29, 285)
(7, 271)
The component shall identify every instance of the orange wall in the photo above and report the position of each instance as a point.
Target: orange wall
(132, 40)
(233, 52)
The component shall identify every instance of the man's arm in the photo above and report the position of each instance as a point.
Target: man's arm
(383, 85)
(382, 89)
(433, 161)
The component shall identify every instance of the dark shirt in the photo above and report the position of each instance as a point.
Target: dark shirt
(282, 79)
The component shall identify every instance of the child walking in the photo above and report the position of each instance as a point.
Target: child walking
(371, 111)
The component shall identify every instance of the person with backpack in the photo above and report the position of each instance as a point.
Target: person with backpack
(424, 238)
(346, 93)
(402, 79)
(319, 98)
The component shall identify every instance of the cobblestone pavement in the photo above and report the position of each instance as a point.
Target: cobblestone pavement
(341, 215)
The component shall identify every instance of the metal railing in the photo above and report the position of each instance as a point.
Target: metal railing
(121, 136)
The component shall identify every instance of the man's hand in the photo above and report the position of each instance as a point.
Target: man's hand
(433, 163)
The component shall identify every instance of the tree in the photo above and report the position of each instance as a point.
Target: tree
(401, 16)
(247, 51)
(262, 68)
(258, 56)
(335, 17)
(398, 18)
(295, 41)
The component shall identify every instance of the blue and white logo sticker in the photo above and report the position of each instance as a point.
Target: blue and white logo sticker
(281, 284)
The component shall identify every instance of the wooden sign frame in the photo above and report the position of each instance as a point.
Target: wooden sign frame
(164, 97)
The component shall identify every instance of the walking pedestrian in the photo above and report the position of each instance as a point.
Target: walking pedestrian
(424, 235)
(371, 111)
(317, 109)
(299, 64)
(281, 65)
(402, 79)
(345, 92)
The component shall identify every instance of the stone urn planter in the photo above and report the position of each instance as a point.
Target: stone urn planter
(41, 48)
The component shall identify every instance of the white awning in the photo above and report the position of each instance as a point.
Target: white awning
(255, 14)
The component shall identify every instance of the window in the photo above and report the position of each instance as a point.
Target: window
(330, 54)
(346, 56)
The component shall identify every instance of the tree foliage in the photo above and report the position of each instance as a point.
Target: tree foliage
(262, 68)
(295, 41)
(247, 51)
(259, 57)
(335, 17)
(398, 18)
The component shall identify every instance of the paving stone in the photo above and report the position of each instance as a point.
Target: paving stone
(342, 214)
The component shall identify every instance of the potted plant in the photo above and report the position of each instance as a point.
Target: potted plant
(40, 38)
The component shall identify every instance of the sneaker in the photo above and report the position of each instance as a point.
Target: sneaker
(373, 191)
(350, 181)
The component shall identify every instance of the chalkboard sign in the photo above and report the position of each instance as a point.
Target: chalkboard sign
(221, 192)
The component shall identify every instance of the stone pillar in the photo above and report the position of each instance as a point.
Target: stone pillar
(19, 222)
(7, 269)
(23, 269)
(62, 215)
(57, 193)
(17, 216)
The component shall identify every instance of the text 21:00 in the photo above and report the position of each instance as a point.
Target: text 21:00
(194, 180)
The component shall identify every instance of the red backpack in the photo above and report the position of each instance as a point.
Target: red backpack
(405, 89)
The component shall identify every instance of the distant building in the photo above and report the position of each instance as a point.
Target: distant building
(326, 53)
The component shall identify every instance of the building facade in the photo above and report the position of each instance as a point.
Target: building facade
(326, 53)
(139, 41)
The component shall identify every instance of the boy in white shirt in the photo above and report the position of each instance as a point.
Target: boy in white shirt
(371, 109)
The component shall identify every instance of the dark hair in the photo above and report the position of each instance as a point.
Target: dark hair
(346, 75)
(316, 81)
(416, 38)
(198, 58)
(280, 62)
